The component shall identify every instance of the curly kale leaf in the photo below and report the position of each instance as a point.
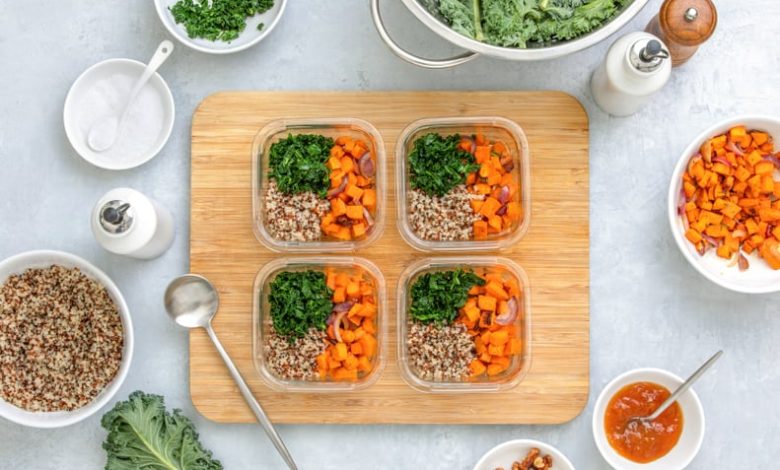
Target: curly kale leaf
(297, 163)
(560, 9)
(585, 19)
(509, 23)
(463, 16)
(217, 20)
(517, 23)
(437, 296)
(299, 300)
(437, 164)
(142, 434)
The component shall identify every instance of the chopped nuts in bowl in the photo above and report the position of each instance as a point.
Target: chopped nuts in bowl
(524, 454)
(66, 339)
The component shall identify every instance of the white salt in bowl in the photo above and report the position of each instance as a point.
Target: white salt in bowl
(77, 103)
(43, 259)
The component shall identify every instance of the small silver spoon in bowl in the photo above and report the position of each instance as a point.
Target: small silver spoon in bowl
(192, 301)
(674, 396)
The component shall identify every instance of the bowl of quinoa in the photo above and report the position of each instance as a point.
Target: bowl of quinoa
(318, 185)
(66, 339)
(463, 184)
(463, 324)
(319, 324)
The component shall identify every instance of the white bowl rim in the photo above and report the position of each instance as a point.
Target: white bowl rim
(167, 127)
(170, 26)
(543, 446)
(598, 429)
(673, 195)
(67, 418)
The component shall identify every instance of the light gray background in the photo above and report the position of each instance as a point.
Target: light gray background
(648, 307)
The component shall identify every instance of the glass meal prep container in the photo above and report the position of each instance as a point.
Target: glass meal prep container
(514, 346)
(369, 226)
(515, 162)
(361, 315)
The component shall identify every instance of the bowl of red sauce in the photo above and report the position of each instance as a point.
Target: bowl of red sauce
(669, 443)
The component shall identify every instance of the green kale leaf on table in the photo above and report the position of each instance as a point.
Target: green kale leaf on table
(142, 434)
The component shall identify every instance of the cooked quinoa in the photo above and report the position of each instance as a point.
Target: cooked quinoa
(440, 353)
(295, 360)
(293, 217)
(60, 339)
(446, 218)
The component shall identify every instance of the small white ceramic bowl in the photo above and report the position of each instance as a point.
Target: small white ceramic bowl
(693, 422)
(503, 455)
(759, 278)
(89, 78)
(248, 38)
(42, 259)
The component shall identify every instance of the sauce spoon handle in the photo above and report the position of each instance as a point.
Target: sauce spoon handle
(684, 387)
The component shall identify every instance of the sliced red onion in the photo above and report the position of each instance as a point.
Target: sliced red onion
(702, 250)
(507, 162)
(366, 165)
(340, 189)
(343, 307)
(773, 158)
(722, 160)
(710, 240)
(337, 325)
(502, 210)
(473, 144)
(503, 195)
(735, 148)
(681, 202)
(742, 262)
(367, 216)
(510, 315)
(768, 232)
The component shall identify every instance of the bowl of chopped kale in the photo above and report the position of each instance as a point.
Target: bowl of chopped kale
(521, 30)
(220, 26)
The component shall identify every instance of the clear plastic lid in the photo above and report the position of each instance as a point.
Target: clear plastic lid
(262, 323)
(328, 127)
(494, 129)
(519, 363)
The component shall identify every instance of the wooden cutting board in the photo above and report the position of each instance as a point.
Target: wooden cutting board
(554, 253)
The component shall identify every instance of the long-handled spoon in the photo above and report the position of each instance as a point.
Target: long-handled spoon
(103, 133)
(680, 390)
(192, 301)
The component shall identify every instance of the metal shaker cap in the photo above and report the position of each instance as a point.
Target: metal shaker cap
(647, 55)
(116, 217)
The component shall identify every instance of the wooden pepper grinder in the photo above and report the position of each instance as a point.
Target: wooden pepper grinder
(683, 25)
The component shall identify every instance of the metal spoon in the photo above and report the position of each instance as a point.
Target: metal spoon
(103, 133)
(680, 390)
(192, 301)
